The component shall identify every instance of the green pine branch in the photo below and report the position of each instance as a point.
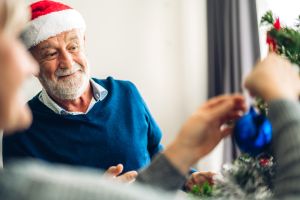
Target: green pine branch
(203, 191)
(287, 39)
(287, 42)
(267, 19)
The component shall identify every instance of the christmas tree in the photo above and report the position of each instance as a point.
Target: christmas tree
(249, 177)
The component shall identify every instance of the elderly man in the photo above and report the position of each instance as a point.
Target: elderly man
(79, 120)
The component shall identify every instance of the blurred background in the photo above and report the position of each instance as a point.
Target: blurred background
(177, 52)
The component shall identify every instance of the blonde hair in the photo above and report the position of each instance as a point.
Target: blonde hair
(14, 14)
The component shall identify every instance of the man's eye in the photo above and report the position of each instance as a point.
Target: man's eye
(50, 55)
(73, 48)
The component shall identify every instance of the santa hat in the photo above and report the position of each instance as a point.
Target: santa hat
(48, 19)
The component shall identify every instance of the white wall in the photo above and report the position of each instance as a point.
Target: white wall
(160, 45)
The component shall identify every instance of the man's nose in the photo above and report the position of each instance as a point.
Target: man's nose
(65, 59)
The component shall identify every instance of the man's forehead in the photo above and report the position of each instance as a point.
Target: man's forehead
(66, 36)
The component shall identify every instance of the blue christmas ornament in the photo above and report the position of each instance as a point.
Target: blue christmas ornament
(253, 133)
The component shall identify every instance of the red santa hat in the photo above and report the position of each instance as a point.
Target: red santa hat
(48, 19)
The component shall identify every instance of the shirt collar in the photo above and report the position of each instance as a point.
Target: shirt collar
(99, 93)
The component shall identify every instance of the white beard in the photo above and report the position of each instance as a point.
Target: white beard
(68, 88)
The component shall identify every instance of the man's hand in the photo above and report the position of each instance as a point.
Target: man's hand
(274, 78)
(199, 178)
(204, 130)
(115, 171)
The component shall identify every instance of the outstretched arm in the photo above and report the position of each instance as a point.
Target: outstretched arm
(198, 136)
(275, 80)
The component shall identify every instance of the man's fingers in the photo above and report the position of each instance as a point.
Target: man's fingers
(114, 170)
(110, 170)
(119, 169)
(128, 177)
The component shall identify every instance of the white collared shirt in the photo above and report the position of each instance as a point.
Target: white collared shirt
(99, 93)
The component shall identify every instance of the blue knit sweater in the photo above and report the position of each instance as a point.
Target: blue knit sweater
(119, 129)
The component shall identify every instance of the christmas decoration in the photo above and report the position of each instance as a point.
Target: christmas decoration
(250, 176)
(203, 191)
(253, 133)
(246, 178)
(281, 39)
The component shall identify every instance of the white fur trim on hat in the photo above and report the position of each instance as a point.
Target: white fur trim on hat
(50, 25)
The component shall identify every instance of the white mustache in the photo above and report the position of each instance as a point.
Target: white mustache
(65, 72)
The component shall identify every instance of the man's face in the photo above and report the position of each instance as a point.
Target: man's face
(64, 72)
(16, 64)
